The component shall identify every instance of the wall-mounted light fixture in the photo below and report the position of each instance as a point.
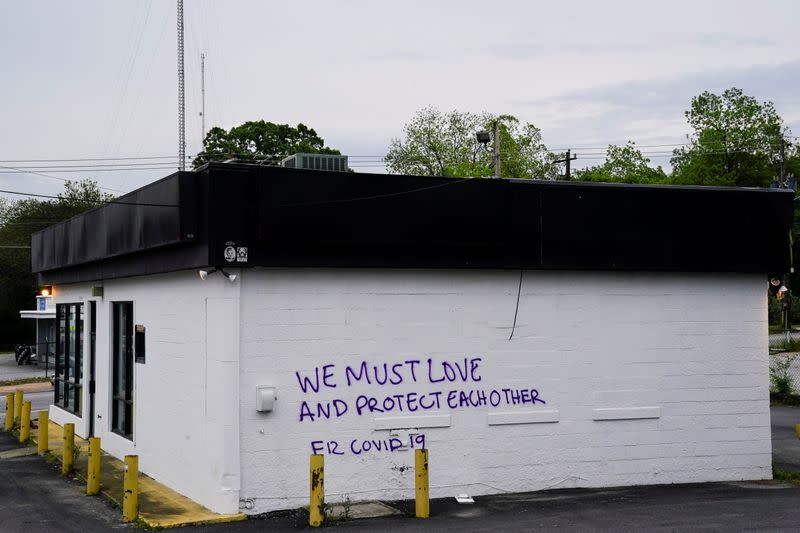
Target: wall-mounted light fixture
(45, 290)
(205, 273)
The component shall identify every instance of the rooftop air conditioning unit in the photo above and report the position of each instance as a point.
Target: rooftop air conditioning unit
(337, 163)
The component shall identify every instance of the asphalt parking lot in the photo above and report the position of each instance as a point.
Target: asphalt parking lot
(35, 497)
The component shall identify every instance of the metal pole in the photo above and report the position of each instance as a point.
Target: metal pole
(181, 95)
(19, 398)
(68, 450)
(422, 498)
(316, 504)
(786, 301)
(43, 437)
(130, 489)
(9, 423)
(93, 467)
(496, 150)
(203, 97)
(25, 423)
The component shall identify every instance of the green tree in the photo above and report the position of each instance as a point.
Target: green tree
(18, 220)
(736, 141)
(623, 164)
(260, 140)
(444, 144)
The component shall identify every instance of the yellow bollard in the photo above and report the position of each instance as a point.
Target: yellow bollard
(316, 505)
(69, 447)
(93, 474)
(18, 399)
(25, 423)
(44, 427)
(797, 430)
(9, 424)
(423, 506)
(130, 489)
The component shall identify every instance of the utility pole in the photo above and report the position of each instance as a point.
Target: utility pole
(566, 160)
(181, 95)
(202, 97)
(496, 149)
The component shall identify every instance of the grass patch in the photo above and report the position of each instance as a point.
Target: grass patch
(789, 476)
(778, 328)
(23, 381)
(792, 345)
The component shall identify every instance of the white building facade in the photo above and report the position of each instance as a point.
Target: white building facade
(515, 379)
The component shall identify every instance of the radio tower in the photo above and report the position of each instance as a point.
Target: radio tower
(202, 98)
(181, 98)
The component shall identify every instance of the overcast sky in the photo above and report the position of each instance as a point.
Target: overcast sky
(98, 79)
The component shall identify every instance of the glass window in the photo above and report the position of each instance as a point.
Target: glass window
(122, 391)
(69, 351)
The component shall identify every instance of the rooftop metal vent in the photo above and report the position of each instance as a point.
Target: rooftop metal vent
(336, 163)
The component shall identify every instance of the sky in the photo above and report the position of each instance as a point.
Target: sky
(97, 79)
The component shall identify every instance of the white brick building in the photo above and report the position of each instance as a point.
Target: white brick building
(550, 355)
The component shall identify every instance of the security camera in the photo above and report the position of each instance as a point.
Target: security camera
(205, 273)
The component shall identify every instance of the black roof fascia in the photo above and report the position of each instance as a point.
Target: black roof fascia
(161, 214)
(304, 218)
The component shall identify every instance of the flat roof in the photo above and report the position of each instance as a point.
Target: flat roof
(245, 215)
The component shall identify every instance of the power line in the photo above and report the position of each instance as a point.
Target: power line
(15, 170)
(158, 164)
(88, 159)
(86, 170)
(128, 76)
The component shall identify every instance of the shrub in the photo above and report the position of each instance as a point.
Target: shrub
(781, 380)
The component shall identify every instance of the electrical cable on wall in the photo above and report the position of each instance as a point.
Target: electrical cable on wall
(516, 309)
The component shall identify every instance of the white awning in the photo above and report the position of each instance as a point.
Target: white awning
(49, 313)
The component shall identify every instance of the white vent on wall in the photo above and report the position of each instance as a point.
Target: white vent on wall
(336, 163)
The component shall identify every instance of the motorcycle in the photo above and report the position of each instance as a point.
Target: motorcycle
(24, 354)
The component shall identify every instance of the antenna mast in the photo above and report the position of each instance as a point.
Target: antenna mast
(202, 97)
(181, 97)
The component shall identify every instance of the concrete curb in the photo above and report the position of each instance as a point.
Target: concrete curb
(43, 386)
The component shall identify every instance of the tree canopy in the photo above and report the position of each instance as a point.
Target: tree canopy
(444, 144)
(260, 140)
(18, 220)
(623, 164)
(736, 141)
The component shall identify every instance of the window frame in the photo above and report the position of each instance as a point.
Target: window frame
(68, 378)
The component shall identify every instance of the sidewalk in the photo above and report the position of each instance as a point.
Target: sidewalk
(159, 506)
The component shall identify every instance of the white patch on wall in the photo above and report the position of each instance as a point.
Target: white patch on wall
(524, 417)
(412, 422)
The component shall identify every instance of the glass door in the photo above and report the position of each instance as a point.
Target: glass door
(122, 382)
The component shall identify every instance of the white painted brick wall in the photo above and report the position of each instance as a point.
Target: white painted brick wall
(185, 395)
(694, 346)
